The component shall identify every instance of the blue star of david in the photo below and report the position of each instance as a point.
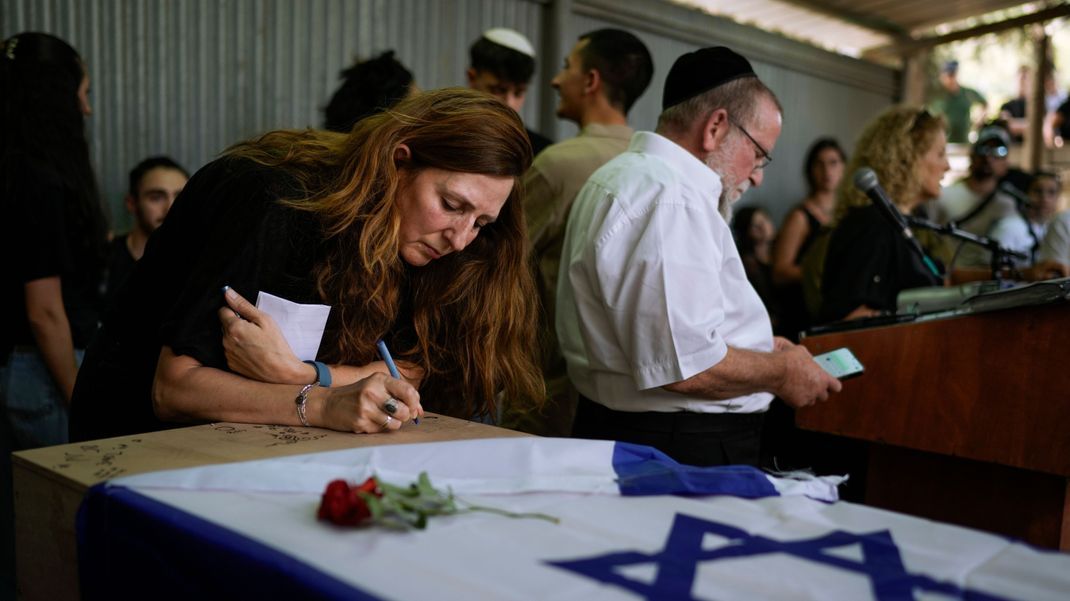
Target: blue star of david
(677, 562)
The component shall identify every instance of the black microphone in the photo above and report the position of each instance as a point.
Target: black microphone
(1011, 190)
(866, 181)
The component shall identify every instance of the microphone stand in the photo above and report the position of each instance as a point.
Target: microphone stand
(1002, 257)
(1022, 203)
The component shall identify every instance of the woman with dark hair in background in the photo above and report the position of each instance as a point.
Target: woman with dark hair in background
(368, 87)
(409, 227)
(753, 231)
(53, 246)
(823, 170)
(54, 234)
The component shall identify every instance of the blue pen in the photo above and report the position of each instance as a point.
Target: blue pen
(385, 354)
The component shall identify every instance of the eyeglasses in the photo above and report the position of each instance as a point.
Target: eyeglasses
(766, 158)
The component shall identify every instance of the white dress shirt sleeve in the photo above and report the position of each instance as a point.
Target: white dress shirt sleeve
(658, 277)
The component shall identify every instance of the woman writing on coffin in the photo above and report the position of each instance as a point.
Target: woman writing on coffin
(409, 228)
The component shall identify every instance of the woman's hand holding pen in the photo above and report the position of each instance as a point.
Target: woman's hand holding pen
(365, 406)
(256, 348)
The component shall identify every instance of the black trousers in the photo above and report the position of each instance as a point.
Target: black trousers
(702, 439)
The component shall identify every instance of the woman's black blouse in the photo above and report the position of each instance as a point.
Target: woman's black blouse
(226, 228)
(868, 263)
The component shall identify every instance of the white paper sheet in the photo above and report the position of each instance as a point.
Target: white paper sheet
(301, 325)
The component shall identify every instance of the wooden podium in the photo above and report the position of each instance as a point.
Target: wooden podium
(968, 418)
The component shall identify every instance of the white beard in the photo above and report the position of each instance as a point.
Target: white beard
(731, 191)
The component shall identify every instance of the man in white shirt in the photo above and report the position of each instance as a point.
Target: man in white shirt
(1056, 244)
(665, 339)
(1026, 230)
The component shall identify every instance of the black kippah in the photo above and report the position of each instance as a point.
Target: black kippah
(703, 70)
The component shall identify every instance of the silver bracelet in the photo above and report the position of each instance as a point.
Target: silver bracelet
(302, 400)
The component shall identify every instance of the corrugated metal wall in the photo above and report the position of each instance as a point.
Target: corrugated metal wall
(190, 77)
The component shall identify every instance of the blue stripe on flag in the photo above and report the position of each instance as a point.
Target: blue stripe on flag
(131, 546)
(643, 470)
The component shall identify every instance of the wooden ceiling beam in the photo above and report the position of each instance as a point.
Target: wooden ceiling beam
(907, 47)
(866, 21)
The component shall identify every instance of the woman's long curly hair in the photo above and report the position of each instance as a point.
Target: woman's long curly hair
(892, 145)
(41, 125)
(473, 312)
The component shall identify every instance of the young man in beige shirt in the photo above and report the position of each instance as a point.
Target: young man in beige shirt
(604, 74)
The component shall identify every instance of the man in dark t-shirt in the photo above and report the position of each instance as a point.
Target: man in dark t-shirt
(1013, 111)
(228, 229)
(501, 63)
(154, 185)
(1061, 122)
(956, 103)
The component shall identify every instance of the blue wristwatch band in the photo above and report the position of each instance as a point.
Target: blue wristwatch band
(323, 373)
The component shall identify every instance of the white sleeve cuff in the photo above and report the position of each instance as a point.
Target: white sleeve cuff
(673, 370)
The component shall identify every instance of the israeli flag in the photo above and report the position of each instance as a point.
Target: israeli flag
(496, 466)
(633, 525)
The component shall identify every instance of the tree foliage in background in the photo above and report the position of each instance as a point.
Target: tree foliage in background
(990, 63)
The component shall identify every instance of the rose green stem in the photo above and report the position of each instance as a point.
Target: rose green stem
(510, 514)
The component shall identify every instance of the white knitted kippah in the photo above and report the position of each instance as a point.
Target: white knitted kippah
(510, 38)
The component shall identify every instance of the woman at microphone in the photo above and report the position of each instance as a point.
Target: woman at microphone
(868, 262)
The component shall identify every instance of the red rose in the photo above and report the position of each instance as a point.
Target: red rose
(344, 505)
(400, 507)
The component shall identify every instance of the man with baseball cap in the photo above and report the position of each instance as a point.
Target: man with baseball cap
(955, 102)
(978, 204)
(665, 339)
